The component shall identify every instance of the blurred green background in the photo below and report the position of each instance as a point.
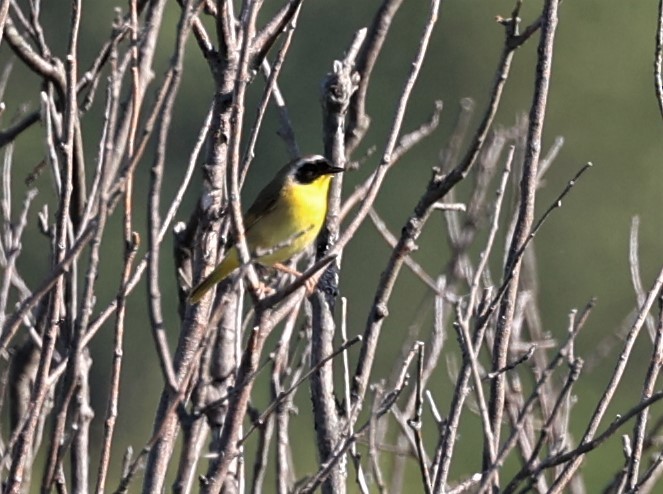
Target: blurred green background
(602, 102)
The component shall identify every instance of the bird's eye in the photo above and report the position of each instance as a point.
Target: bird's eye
(308, 172)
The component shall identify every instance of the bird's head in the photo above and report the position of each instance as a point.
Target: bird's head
(314, 168)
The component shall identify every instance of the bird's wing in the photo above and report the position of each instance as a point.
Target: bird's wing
(267, 198)
(259, 209)
(263, 205)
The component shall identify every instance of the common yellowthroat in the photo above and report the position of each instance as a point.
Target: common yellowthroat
(285, 218)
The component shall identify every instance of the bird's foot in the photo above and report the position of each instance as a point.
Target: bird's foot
(264, 290)
(310, 283)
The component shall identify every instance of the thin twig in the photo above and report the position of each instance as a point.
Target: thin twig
(286, 393)
(358, 120)
(272, 78)
(640, 429)
(337, 89)
(416, 424)
(658, 59)
(386, 404)
(154, 200)
(525, 219)
(406, 242)
(391, 240)
(405, 144)
(449, 430)
(588, 437)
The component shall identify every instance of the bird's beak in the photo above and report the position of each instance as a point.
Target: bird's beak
(335, 169)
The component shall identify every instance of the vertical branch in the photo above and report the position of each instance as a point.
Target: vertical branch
(130, 248)
(282, 368)
(225, 31)
(196, 318)
(136, 95)
(647, 392)
(449, 430)
(525, 219)
(57, 311)
(658, 59)
(80, 448)
(142, 73)
(154, 199)
(416, 422)
(406, 243)
(12, 244)
(272, 77)
(74, 364)
(338, 88)
(266, 434)
(226, 446)
(637, 442)
(195, 321)
(131, 241)
(358, 120)
(234, 140)
(277, 424)
(226, 318)
(4, 10)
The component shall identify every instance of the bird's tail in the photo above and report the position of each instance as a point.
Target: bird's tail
(225, 267)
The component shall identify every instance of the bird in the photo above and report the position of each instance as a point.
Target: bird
(284, 219)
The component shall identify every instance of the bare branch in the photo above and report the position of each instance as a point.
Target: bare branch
(588, 437)
(658, 59)
(525, 218)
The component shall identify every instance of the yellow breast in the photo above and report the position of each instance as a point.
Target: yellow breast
(293, 224)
